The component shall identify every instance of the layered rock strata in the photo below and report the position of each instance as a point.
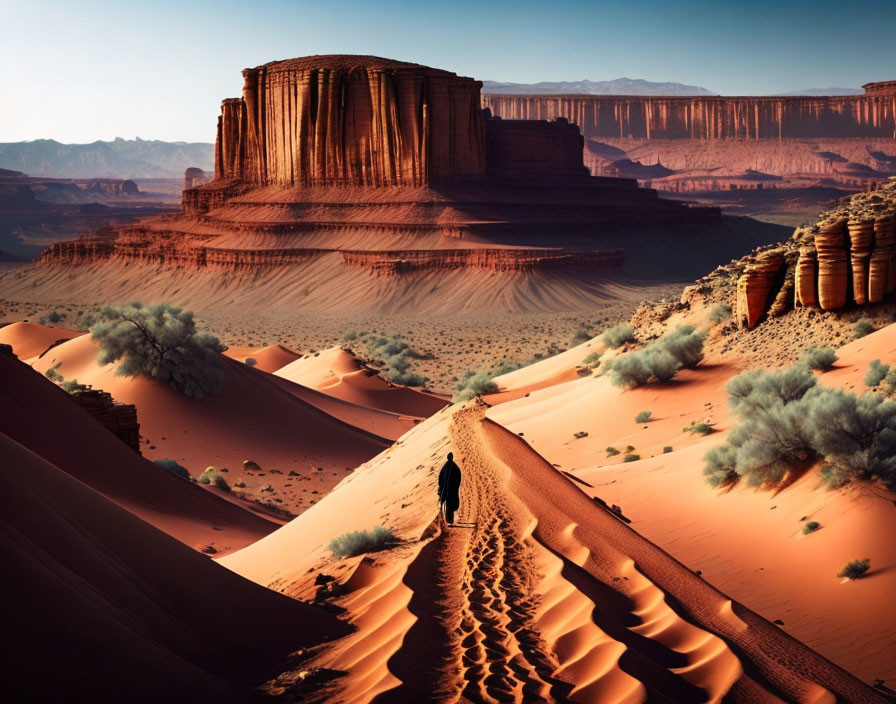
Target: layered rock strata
(712, 117)
(329, 164)
(847, 258)
(119, 418)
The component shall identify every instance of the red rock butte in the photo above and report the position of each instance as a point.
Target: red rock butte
(367, 168)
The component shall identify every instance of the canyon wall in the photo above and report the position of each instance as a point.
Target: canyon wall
(711, 117)
(349, 120)
(533, 148)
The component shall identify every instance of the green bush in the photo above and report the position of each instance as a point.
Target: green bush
(811, 527)
(350, 335)
(696, 428)
(475, 384)
(580, 434)
(618, 335)
(612, 451)
(160, 342)
(660, 360)
(631, 458)
(362, 542)
(819, 358)
(176, 469)
(591, 358)
(53, 374)
(719, 313)
(643, 417)
(876, 374)
(786, 421)
(855, 569)
(863, 327)
(719, 469)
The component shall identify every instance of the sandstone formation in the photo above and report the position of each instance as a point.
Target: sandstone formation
(351, 120)
(712, 117)
(847, 258)
(348, 166)
(712, 143)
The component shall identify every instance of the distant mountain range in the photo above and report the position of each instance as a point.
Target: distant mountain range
(825, 91)
(619, 86)
(120, 158)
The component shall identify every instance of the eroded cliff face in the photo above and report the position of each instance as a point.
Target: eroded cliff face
(351, 120)
(846, 259)
(712, 117)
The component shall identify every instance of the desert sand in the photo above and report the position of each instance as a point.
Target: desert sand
(746, 542)
(98, 590)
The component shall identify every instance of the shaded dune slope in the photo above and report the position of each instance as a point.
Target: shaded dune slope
(253, 418)
(120, 611)
(37, 414)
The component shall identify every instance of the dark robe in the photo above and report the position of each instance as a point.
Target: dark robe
(449, 488)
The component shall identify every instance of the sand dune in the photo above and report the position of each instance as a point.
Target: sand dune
(50, 425)
(746, 542)
(252, 419)
(340, 374)
(30, 339)
(119, 610)
(268, 359)
(538, 592)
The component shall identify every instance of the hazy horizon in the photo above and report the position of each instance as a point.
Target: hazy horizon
(100, 70)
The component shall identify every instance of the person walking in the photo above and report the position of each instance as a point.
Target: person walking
(449, 487)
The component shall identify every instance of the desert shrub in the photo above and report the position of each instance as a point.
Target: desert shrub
(73, 387)
(362, 541)
(719, 469)
(213, 476)
(855, 569)
(660, 360)
(685, 344)
(811, 527)
(176, 469)
(161, 342)
(55, 317)
(591, 358)
(618, 335)
(759, 389)
(580, 434)
(877, 372)
(719, 313)
(611, 451)
(251, 361)
(643, 417)
(584, 371)
(696, 428)
(631, 458)
(785, 421)
(863, 327)
(53, 373)
(855, 434)
(395, 356)
(350, 335)
(667, 449)
(819, 358)
(475, 384)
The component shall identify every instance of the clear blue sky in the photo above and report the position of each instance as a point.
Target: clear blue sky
(78, 71)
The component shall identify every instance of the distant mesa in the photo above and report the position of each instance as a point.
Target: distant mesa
(371, 169)
(843, 139)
